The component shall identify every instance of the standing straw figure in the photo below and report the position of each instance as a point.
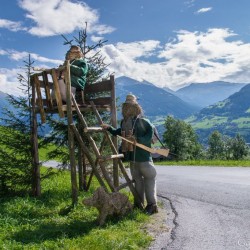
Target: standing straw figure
(135, 127)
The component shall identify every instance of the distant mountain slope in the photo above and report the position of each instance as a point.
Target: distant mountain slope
(3, 102)
(205, 94)
(230, 116)
(154, 101)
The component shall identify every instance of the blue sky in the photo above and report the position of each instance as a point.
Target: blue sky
(170, 43)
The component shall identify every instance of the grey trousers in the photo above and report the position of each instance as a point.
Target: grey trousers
(144, 175)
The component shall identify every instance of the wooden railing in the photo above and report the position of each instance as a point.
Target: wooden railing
(101, 93)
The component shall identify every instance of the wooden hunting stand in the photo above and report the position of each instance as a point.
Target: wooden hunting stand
(96, 97)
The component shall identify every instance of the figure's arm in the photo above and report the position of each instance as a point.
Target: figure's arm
(112, 130)
(149, 131)
(79, 68)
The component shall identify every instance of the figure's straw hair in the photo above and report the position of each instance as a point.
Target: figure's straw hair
(70, 55)
(131, 110)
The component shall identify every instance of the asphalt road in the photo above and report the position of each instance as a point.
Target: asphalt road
(210, 207)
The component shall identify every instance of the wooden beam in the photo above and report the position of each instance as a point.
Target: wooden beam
(57, 94)
(110, 157)
(93, 129)
(114, 124)
(47, 90)
(39, 99)
(71, 139)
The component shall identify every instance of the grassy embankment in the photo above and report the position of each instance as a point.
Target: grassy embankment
(44, 222)
(217, 163)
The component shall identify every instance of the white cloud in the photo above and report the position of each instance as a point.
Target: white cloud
(203, 10)
(9, 82)
(8, 77)
(22, 55)
(189, 3)
(10, 25)
(214, 55)
(138, 49)
(61, 17)
(191, 57)
(96, 39)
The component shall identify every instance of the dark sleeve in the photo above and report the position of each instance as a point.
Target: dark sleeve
(146, 132)
(79, 67)
(114, 131)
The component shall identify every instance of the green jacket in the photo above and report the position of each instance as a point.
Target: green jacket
(143, 132)
(78, 73)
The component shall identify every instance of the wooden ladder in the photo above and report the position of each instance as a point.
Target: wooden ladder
(100, 159)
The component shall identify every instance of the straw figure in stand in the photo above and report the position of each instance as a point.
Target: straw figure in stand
(138, 129)
(78, 72)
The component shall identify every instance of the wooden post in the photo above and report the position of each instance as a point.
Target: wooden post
(84, 172)
(36, 182)
(36, 83)
(114, 139)
(71, 137)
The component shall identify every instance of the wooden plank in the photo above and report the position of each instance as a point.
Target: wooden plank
(114, 124)
(87, 108)
(39, 99)
(93, 129)
(71, 138)
(110, 157)
(57, 94)
(124, 185)
(102, 86)
(36, 183)
(49, 101)
(99, 100)
(160, 151)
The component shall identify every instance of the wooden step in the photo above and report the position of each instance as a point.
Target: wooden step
(93, 129)
(124, 185)
(110, 157)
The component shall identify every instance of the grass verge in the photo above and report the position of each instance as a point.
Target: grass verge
(229, 163)
(48, 222)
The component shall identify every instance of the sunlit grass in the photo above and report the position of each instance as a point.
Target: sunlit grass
(49, 222)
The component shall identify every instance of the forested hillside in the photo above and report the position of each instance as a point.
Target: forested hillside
(230, 116)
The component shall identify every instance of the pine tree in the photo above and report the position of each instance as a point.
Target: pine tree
(17, 170)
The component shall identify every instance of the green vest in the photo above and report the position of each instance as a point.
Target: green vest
(143, 131)
(78, 73)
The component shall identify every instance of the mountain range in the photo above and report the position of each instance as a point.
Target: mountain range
(154, 101)
(218, 105)
(205, 94)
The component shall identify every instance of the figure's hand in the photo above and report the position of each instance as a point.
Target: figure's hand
(105, 126)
